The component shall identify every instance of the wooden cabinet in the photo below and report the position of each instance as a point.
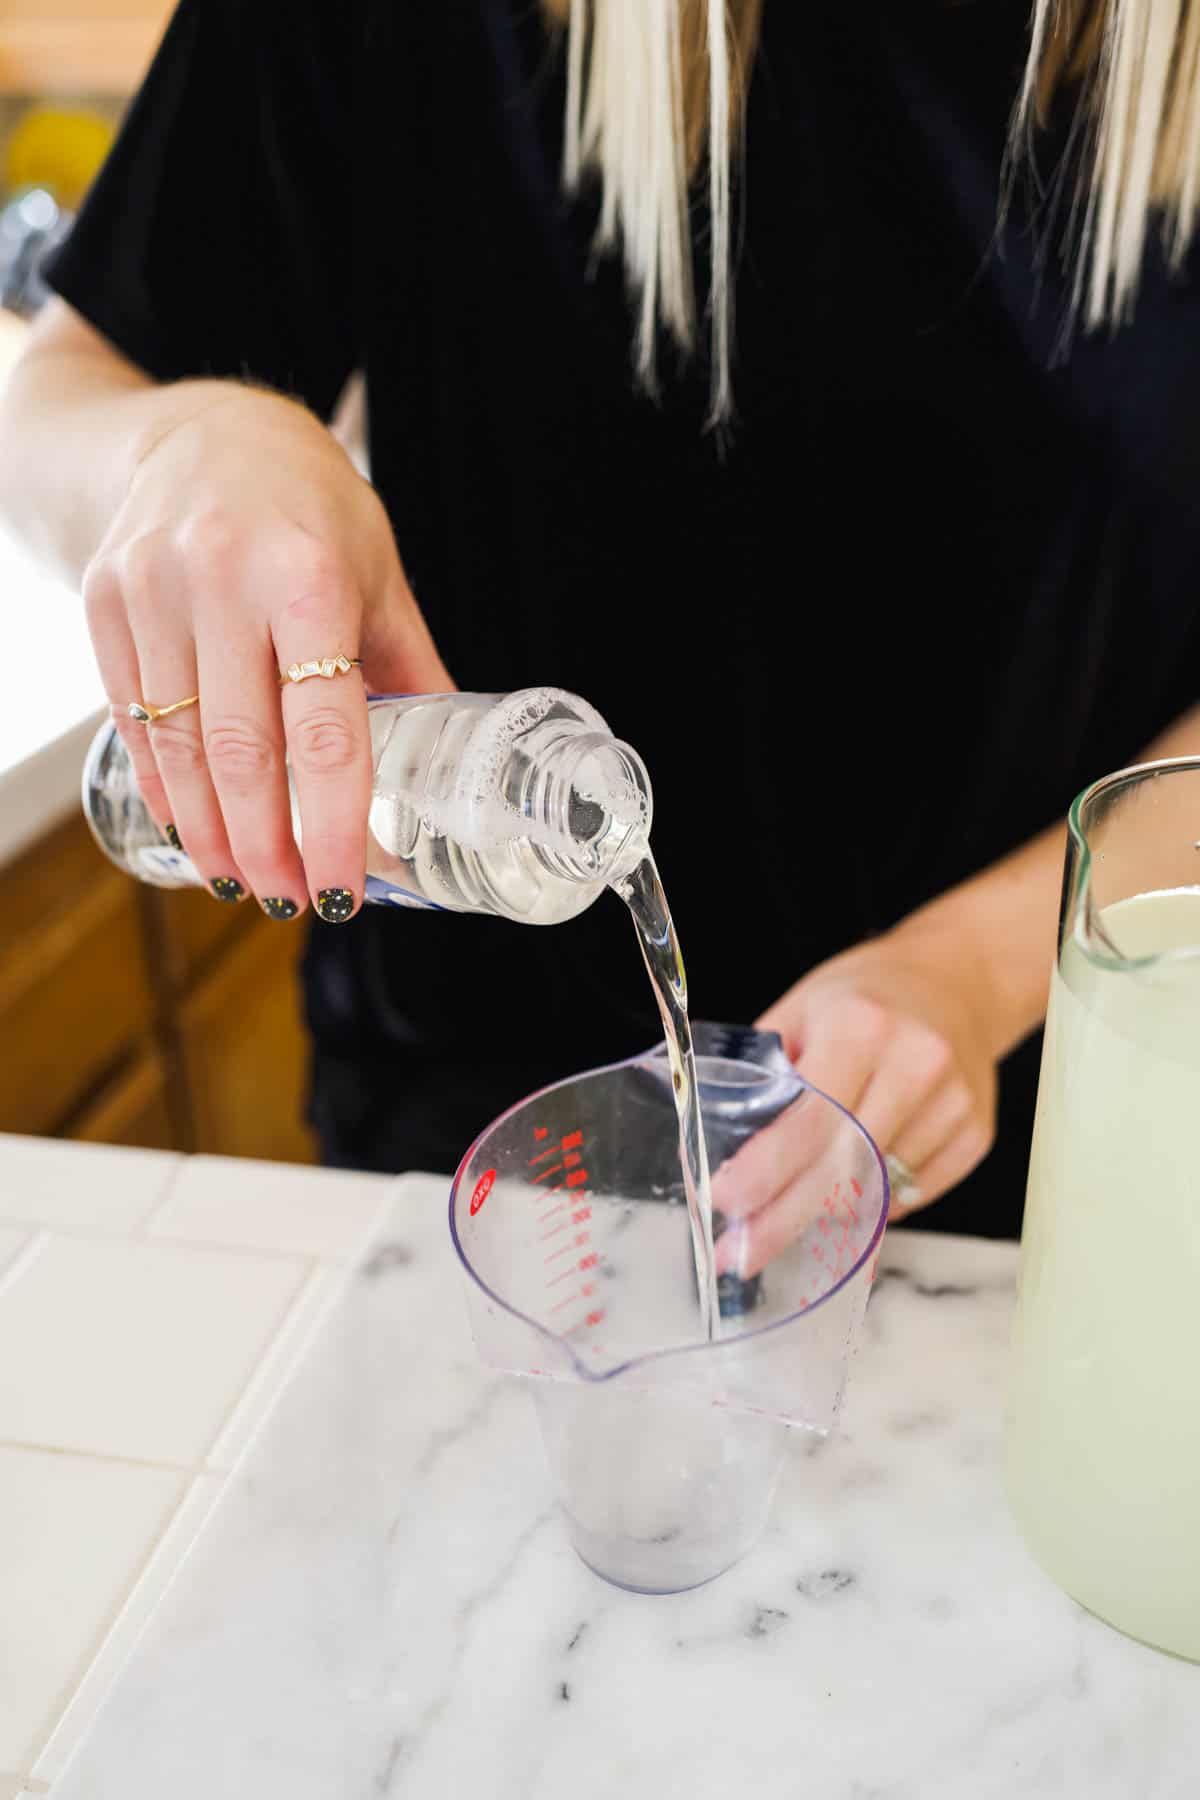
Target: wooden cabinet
(65, 47)
(242, 1054)
(133, 1108)
(133, 1015)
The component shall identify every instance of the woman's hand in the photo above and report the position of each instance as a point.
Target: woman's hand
(247, 541)
(895, 1033)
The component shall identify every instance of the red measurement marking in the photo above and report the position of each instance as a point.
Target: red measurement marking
(542, 1155)
(822, 1224)
(563, 1277)
(588, 1289)
(571, 1159)
(827, 1203)
(555, 1229)
(546, 1174)
(577, 1179)
(581, 1238)
(818, 1253)
(553, 1210)
(555, 1254)
(850, 1212)
(595, 1316)
(483, 1188)
(588, 1262)
(559, 1304)
(857, 1189)
(573, 1142)
(541, 1131)
(582, 1216)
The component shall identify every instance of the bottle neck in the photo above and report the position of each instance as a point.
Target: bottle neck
(587, 797)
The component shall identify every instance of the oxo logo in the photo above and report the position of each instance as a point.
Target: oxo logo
(483, 1188)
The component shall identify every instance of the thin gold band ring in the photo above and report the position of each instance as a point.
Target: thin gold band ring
(145, 714)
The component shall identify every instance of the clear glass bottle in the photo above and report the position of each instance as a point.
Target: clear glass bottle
(522, 805)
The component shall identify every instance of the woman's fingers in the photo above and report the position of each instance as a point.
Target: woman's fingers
(751, 1243)
(116, 657)
(899, 1080)
(244, 748)
(933, 1125)
(328, 739)
(951, 1163)
(154, 588)
(763, 1167)
(770, 1160)
(398, 653)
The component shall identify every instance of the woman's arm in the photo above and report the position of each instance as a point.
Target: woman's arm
(906, 1031)
(219, 533)
(996, 932)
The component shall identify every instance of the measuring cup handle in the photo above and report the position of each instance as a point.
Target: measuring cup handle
(741, 1043)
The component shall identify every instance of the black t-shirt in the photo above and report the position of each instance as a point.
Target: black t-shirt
(941, 577)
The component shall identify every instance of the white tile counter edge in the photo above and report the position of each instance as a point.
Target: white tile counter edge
(368, 1199)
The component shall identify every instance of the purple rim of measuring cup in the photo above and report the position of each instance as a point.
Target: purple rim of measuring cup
(649, 1356)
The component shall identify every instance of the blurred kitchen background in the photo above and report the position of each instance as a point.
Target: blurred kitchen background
(128, 1015)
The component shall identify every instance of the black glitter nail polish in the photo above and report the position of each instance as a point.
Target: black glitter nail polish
(226, 888)
(335, 905)
(279, 909)
(172, 837)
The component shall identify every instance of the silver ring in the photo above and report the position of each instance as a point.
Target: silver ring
(905, 1191)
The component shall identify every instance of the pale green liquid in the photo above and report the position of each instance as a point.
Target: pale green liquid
(1103, 1441)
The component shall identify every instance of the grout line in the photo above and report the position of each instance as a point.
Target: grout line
(269, 1350)
(291, 1338)
(160, 1241)
(81, 1234)
(143, 1225)
(68, 1692)
(27, 1254)
(190, 1470)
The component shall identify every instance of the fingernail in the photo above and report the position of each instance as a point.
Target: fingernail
(279, 909)
(335, 905)
(172, 837)
(226, 888)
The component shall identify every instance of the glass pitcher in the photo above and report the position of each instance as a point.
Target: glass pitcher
(1103, 1430)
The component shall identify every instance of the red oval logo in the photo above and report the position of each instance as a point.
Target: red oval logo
(483, 1188)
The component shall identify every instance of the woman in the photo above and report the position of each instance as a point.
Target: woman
(876, 568)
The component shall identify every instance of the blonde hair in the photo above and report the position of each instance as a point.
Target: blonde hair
(1134, 66)
(656, 88)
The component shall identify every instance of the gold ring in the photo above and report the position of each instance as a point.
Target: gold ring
(328, 666)
(145, 714)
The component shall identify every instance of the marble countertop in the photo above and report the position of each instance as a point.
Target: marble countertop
(365, 1589)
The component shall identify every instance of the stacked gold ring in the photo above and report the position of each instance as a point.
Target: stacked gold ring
(326, 666)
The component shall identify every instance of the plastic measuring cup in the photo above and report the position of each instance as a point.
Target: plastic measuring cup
(568, 1216)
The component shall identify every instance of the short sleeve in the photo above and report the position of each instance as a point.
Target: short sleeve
(216, 239)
